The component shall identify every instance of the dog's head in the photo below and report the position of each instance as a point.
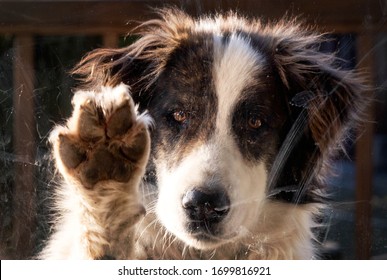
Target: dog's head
(245, 115)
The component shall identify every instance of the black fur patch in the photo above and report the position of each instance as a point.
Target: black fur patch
(261, 101)
(185, 86)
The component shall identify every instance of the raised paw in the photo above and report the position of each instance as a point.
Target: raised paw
(105, 138)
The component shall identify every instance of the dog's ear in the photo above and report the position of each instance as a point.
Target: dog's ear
(333, 98)
(110, 67)
(140, 64)
(324, 103)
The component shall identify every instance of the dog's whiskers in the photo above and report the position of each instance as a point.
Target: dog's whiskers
(152, 223)
(169, 245)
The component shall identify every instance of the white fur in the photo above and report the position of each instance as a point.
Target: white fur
(235, 65)
(219, 160)
(212, 162)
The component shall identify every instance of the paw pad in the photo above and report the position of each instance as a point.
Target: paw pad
(104, 139)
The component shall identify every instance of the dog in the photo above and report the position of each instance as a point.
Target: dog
(207, 138)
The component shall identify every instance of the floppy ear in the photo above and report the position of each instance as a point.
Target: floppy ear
(324, 103)
(110, 67)
(333, 98)
(140, 64)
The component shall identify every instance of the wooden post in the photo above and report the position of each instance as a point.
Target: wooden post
(24, 203)
(364, 158)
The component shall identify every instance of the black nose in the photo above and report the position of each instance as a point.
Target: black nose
(210, 206)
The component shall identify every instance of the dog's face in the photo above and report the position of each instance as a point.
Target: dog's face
(218, 119)
(240, 110)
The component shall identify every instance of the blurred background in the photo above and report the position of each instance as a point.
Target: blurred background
(40, 41)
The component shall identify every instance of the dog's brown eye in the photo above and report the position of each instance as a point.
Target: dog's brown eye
(180, 116)
(254, 122)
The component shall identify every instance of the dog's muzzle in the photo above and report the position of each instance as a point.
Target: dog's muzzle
(205, 208)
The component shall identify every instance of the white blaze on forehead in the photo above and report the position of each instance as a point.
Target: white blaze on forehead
(235, 66)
